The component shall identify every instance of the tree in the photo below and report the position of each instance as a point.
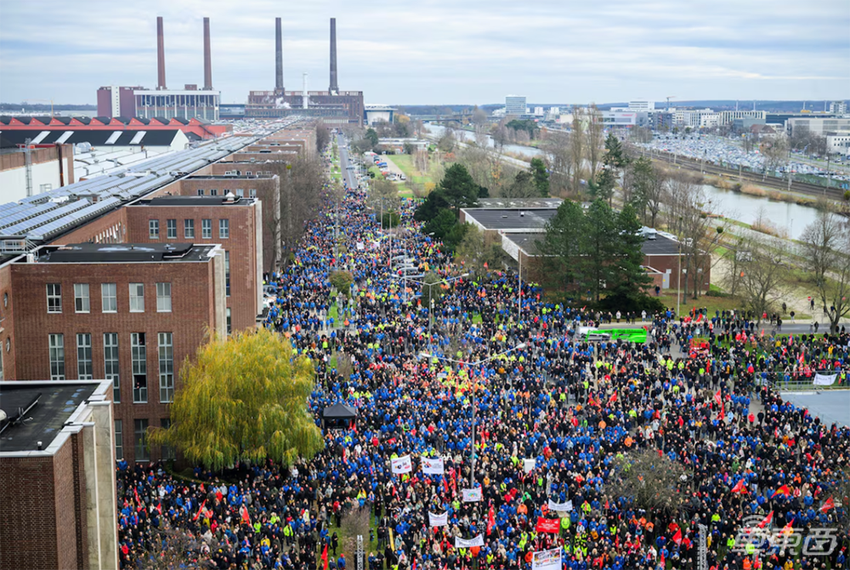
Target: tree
(243, 399)
(593, 135)
(761, 276)
(561, 246)
(775, 153)
(387, 191)
(458, 188)
(479, 251)
(372, 136)
(441, 224)
(602, 188)
(301, 197)
(599, 249)
(643, 175)
(654, 482)
(577, 148)
(655, 193)
(826, 243)
(323, 136)
(629, 277)
(522, 187)
(431, 207)
(341, 280)
(557, 147)
(541, 176)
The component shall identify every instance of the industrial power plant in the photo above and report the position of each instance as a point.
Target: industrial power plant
(333, 106)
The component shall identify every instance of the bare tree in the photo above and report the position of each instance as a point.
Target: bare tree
(300, 197)
(762, 273)
(654, 482)
(775, 153)
(655, 193)
(826, 243)
(594, 140)
(557, 147)
(691, 215)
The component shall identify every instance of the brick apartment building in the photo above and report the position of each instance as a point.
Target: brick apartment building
(57, 476)
(129, 313)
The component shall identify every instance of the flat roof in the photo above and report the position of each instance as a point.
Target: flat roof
(124, 253)
(829, 405)
(511, 219)
(661, 245)
(196, 201)
(504, 203)
(43, 422)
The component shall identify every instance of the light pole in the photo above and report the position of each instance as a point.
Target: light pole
(472, 390)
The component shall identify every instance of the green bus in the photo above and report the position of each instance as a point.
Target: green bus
(631, 335)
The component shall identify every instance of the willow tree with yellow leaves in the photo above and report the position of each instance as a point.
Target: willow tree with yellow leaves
(243, 399)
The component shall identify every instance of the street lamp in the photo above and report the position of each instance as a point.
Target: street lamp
(470, 365)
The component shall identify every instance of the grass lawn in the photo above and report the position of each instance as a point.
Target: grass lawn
(476, 319)
(404, 191)
(333, 313)
(712, 304)
(405, 163)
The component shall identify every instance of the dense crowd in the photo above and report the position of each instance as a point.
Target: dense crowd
(555, 418)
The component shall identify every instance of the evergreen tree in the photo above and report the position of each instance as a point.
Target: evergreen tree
(458, 188)
(561, 245)
(599, 248)
(541, 176)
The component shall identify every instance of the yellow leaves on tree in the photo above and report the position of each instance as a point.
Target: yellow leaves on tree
(243, 399)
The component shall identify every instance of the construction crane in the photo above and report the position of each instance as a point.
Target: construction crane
(668, 101)
(42, 101)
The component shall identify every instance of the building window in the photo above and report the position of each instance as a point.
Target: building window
(81, 298)
(240, 193)
(110, 364)
(171, 229)
(140, 440)
(227, 273)
(119, 440)
(109, 297)
(166, 368)
(163, 297)
(153, 229)
(1, 364)
(167, 452)
(57, 356)
(5, 300)
(213, 192)
(252, 193)
(200, 191)
(139, 354)
(54, 298)
(229, 327)
(189, 229)
(137, 297)
(206, 229)
(223, 229)
(84, 365)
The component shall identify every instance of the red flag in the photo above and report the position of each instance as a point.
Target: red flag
(718, 398)
(783, 490)
(159, 508)
(739, 487)
(200, 511)
(491, 520)
(827, 504)
(677, 538)
(612, 399)
(325, 557)
(766, 520)
(788, 529)
(548, 525)
(801, 359)
(244, 512)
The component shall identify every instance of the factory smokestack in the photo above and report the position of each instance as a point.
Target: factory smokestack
(278, 54)
(207, 58)
(160, 55)
(334, 88)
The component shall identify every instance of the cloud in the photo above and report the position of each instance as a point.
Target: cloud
(439, 51)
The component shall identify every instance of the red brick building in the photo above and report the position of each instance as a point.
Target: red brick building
(57, 476)
(234, 223)
(130, 313)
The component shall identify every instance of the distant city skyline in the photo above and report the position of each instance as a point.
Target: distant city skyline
(474, 52)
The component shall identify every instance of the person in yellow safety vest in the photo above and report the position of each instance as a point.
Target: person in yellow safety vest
(523, 540)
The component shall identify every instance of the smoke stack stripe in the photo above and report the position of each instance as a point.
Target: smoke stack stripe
(160, 54)
(278, 52)
(334, 88)
(207, 57)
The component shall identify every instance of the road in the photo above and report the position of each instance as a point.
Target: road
(348, 175)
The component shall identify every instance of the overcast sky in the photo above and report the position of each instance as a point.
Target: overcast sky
(438, 51)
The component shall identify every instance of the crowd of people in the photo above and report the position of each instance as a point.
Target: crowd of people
(533, 425)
